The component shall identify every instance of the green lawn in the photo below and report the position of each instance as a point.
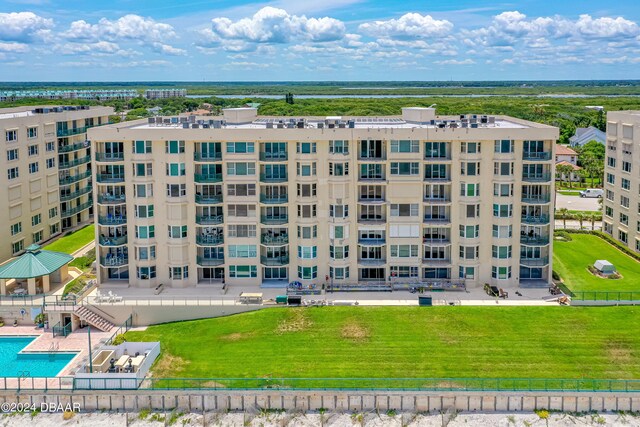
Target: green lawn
(569, 193)
(403, 342)
(570, 261)
(73, 241)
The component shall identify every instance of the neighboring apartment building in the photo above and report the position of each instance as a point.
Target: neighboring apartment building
(165, 93)
(584, 135)
(46, 187)
(351, 200)
(94, 95)
(621, 216)
(568, 157)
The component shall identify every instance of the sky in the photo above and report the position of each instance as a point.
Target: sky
(318, 40)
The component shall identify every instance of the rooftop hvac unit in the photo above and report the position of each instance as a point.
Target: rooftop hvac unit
(483, 120)
(166, 122)
(341, 125)
(183, 120)
(205, 126)
(195, 126)
(185, 126)
(474, 120)
(291, 125)
(269, 125)
(151, 120)
(453, 125)
(280, 125)
(217, 124)
(174, 120)
(320, 125)
(331, 125)
(474, 125)
(465, 124)
(463, 116)
(492, 120)
(352, 124)
(192, 119)
(432, 122)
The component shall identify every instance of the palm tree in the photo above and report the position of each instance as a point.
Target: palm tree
(593, 216)
(563, 213)
(564, 172)
(580, 216)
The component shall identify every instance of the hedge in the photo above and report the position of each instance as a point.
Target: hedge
(607, 239)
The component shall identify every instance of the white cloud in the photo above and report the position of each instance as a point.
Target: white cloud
(14, 47)
(467, 61)
(606, 27)
(128, 27)
(24, 26)
(168, 49)
(410, 25)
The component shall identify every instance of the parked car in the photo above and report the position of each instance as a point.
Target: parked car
(591, 192)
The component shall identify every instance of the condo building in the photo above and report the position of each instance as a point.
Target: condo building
(621, 202)
(46, 187)
(165, 93)
(263, 201)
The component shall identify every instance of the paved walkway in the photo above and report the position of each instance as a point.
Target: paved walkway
(575, 225)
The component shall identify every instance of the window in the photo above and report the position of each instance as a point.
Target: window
(503, 168)
(306, 190)
(16, 228)
(627, 131)
(177, 231)
(339, 252)
(176, 190)
(469, 190)
(32, 132)
(404, 209)
(144, 211)
(338, 169)
(339, 147)
(37, 236)
(146, 273)
(51, 163)
(242, 211)
(306, 169)
(611, 178)
(33, 167)
(469, 252)
(143, 190)
(502, 211)
(145, 231)
(305, 147)
(306, 211)
(142, 169)
(307, 273)
(504, 146)
(470, 168)
(611, 162)
(241, 189)
(622, 236)
(240, 147)
(243, 271)
(501, 272)
(275, 273)
(473, 211)
(501, 252)
(502, 231)
(243, 251)
(54, 229)
(405, 146)
(404, 251)
(405, 168)
(307, 252)
(436, 150)
(624, 219)
(179, 273)
(404, 271)
(609, 195)
(53, 212)
(12, 173)
(12, 154)
(237, 230)
(36, 219)
(339, 273)
(174, 147)
(17, 246)
(176, 169)
(436, 171)
(50, 146)
(308, 232)
(241, 168)
(142, 147)
(32, 150)
(624, 202)
(338, 232)
(470, 147)
(469, 231)
(608, 211)
(626, 166)
(11, 136)
(146, 252)
(339, 211)
(467, 272)
(625, 184)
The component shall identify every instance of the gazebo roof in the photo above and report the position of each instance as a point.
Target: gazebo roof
(35, 262)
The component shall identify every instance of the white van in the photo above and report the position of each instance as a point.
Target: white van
(591, 192)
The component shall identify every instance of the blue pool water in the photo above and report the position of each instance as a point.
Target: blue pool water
(38, 364)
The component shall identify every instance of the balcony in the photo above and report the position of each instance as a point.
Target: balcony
(109, 178)
(530, 156)
(274, 157)
(70, 196)
(436, 220)
(273, 178)
(73, 163)
(209, 240)
(72, 147)
(536, 177)
(112, 220)
(208, 199)
(209, 262)
(437, 158)
(372, 219)
(371, 178)
(109, 157)
(112, 199)
(74, 178)
(534, 240)
(436, 261)
(371, 242)
(441, 179)
(209, 219)
(113, 241)
(61, 133)
(274, 219)
(436, 241)
(534, 262)
(372, 200)
(274, 200)
(267, 239)
(540, 219)
(207, 178)
(279, 260)
(539, 199)
(437, 200)
(76, 209)
(207, 157)
(114, 260)
(372, 261)
(372, 157)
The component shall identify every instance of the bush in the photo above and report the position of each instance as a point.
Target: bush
(562, 235)
(118, 339)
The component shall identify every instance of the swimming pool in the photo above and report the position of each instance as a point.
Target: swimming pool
(14, 363)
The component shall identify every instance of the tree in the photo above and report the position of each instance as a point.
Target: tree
(593, 217)
(580, 216)
(601, 121)
(563, 171)
(594, 149)
(593, 167)
(564, 214)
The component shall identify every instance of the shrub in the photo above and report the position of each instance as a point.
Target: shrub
(562, 235)
(118, 339)
(555, 275)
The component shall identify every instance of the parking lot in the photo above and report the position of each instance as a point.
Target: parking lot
(576, 203)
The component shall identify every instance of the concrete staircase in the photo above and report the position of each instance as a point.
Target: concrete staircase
(93, 319)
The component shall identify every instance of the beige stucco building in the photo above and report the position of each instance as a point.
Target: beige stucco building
(621, 202)
(265, 201)
(46, 184)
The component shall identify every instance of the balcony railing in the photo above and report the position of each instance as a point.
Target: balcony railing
(207, 240)
(437, 200)
(372, 261)
(274, 240)
(372, 219)
(371, 157)
(436, 219)
(109, 157)
(369, 178)
(273, 178)
(76, 209)
(208, 178)
(437, 178)
(209, 219)
(537, 199)
(437, 157)
(377, 200)
(534, 241)
(436, 240)
(536, 177)
(280, 260)
(274, 219)
(70, 196)
(540, 219)
(74, 178)
(534, 262)
(61, 133)
(207, 157)
(532, 156)
(209, 262)
(371, 242)
(208, 199)
(72, 147)
(110, 177)
(436, 261)
(274, 200)
(112, 220)
(111, 199)
(274, 157)
(114, 261)
(113, 241)
(73, 163)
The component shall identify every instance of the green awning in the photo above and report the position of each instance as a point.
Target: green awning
(35, 262)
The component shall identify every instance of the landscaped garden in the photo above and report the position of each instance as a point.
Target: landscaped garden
(571, 260)
(73, 241)
(403, 342)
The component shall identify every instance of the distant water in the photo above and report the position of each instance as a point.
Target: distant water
(551, 95)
